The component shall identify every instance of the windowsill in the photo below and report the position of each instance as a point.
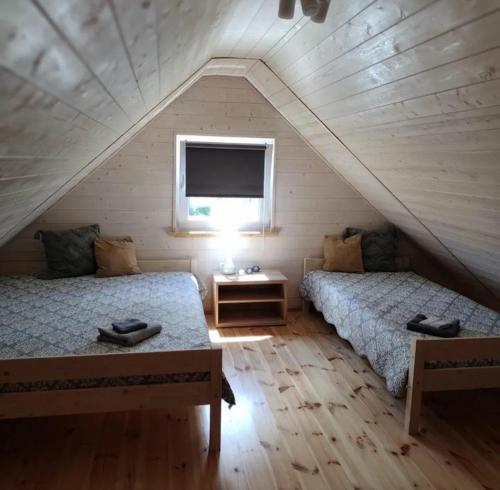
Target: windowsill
(211, 234)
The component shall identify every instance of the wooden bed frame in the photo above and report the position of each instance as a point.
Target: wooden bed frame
(107, 399)
(422, 379)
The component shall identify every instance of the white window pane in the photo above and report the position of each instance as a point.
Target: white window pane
(225, 212)
(199, 208)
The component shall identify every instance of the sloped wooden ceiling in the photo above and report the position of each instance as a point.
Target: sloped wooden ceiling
(401, 96)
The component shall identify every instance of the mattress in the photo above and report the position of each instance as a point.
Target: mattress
(371, 311)
(42, 318)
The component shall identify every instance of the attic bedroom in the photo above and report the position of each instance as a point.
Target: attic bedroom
(249, 244)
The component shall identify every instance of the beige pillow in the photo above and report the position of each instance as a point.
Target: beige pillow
(115, 257)
(343, 255)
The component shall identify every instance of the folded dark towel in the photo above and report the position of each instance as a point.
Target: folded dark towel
(128, 339)
(129, 325)
(434, 326)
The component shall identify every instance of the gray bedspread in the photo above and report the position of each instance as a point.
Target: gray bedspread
(60, 317)
(40, 318)
(371, 311)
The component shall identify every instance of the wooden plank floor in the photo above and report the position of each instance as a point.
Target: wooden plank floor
(310, 414)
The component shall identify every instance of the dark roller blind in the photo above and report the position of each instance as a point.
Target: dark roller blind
(223, 170)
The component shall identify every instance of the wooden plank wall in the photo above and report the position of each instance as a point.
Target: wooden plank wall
(131, 194)
(411, 90)
(76, 75)
(429, 257)
(407, 91)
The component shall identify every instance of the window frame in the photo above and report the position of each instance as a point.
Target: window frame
(181, 220)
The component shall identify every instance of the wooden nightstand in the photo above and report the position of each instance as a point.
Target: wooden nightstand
(250, 300)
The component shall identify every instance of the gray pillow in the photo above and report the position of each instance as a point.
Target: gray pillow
(70, 252)
(378, 248)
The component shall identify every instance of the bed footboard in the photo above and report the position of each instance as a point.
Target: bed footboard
(43, 402)
(215, 398)
(422, 379)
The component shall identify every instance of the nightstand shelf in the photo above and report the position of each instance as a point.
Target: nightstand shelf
(250, 300)
(251, 293)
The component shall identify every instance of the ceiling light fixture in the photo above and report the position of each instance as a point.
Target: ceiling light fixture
(309, 7)
(315, 9)
(320, 15)
(286, 9)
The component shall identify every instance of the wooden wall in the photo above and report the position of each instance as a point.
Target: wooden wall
(131, 194)
(76, 75)
(429, 257)
(403, 96)
(411, 90)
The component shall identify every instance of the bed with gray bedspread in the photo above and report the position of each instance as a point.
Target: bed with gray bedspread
(371, 311)
(40, 318)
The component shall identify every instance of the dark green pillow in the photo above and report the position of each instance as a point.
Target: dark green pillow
(378, 248)
(69, 252)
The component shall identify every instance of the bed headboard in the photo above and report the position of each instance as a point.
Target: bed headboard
(167, 265)
(160, 265)
(403, 263)
(313, 264)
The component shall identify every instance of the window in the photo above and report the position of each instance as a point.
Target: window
(224, 183)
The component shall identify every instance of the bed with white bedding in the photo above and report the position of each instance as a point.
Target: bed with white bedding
(371, 311)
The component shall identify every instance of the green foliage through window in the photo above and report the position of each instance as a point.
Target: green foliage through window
(199, 210)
